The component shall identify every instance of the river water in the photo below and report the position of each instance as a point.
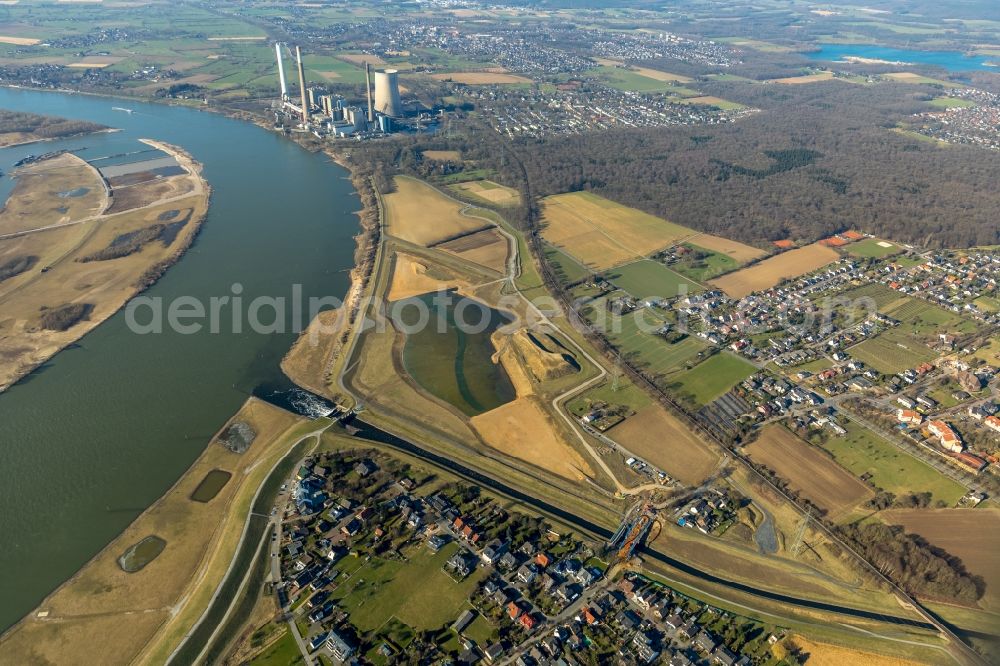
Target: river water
(106, 427)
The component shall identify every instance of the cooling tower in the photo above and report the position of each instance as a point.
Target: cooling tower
(387, 93)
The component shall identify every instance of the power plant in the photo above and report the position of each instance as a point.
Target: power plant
(368, 92)
(387, 93)
(329, 115)
(281, 72)
(302, 87)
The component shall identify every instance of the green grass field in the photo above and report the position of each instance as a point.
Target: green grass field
(633, 335)
(417, 592)
(870, 248)
(708, 265)
(863, 452)
(566, 268)
(627, 393)
(627, 80)
(646, 278)
(951, 103)
(882, 295)
(712, 378)
(925, 320)
(284, 652)
(893, 351)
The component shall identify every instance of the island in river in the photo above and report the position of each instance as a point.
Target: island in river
(18, 127)
(78, 241)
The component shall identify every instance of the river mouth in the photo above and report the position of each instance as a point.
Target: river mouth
(449, 350)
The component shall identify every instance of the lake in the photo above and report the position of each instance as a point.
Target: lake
(953, 61)
(105, 428)
(455, 362)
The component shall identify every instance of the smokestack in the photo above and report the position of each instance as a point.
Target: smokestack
(281, 71)
(368, 92)
(302, 86)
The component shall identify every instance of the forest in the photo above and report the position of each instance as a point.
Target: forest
(43, 127)
(817, 160)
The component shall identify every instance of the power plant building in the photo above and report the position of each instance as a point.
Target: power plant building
(387, 99)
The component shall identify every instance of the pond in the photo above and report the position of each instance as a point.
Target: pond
(210, 486)
(142, 553)
(451, 356)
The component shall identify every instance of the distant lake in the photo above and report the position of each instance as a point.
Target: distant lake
(953, 61)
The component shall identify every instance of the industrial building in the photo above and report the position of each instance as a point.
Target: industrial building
(330, 115)
(387, 99)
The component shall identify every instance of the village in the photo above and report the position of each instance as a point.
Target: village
(515, 589)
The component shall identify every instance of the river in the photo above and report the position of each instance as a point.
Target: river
(96, 435)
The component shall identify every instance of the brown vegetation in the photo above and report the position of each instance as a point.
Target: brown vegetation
(656, 435)
(773, 270)
(808, 470)
(523, 430)
(64, 317)
(418, 213)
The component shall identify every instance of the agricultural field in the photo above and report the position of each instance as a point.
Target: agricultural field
(809, 471)
(658, 436)
(417, 591)
(769, 272)
(925, 320)
(646, 278)
(970, 534)
(411, 276)
(522, 429)
(418, 213)
(712, 378)
(711, 100)
(487, 248)
(892, 352)
(655, 74)
(632, 80)
(918, 79)
(490, 192)
(481, 78)
(601, 234)
(805, 78)
(866, 454)
(442, 155)
(951, 103)
(740, 253)
(874, 248)
(882, 295)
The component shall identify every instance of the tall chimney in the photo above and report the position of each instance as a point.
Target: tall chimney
(281, 71)
(302, 86)
(368, 92)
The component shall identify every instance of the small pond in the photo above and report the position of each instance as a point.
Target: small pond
(211, 485)
(142, 553)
